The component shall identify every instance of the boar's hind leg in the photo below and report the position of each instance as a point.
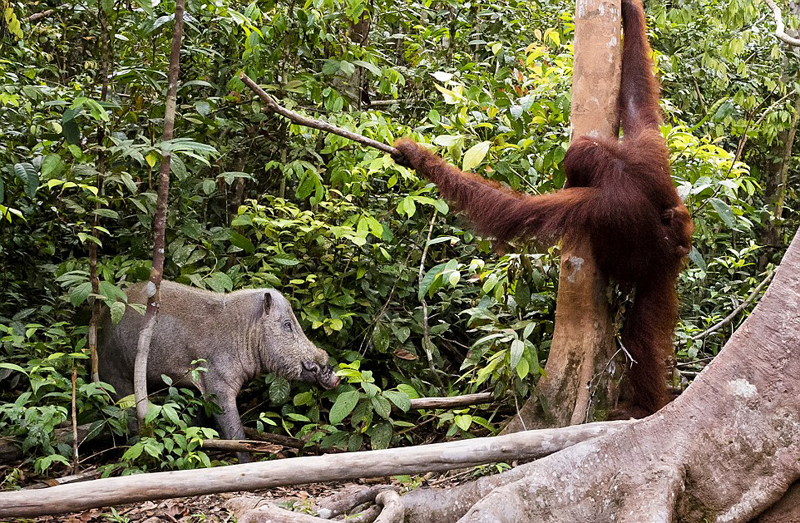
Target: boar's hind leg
(228, 421)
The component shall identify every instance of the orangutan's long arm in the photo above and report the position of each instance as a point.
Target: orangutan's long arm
(498, 211)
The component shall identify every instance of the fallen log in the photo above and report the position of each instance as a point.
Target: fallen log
(451, 402)
(438, 457)
(241, 445)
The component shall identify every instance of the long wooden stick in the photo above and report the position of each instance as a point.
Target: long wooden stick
(274, 107)
(294, 471)
(451, 402)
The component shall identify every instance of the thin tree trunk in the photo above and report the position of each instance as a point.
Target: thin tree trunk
(101, 169)
(583, 341)
(776, 191)
(159, 224)
(359, 35)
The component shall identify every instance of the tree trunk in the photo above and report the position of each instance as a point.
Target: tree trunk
(725, 451)
(576, 381)
(159, 224)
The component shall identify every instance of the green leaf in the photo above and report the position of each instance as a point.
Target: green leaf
(238, 240)
(170, 414)
(202, 107)
(241, 220)
(428, 279)
(463, 421)
(330, 67)
(117, 310)
(15, 28)
(112, 292)
(369, 67)
(127, 402)
(407, 206)
(725, 212)
(219, 282)
(402, 334)
(279, 391)
(523, 369)
(146, 6)
(69, 127)
(400, 399)
(12, 366)
(354, 442)
(53, 166)
(133, 452)
(106, 213)
(382, 406)
(724, 110)
(517, 348)
(181, 255)
(446, 140)
(80, 293)
(343, 406)
(304, 398)
(697, 258)
(152, 413)
(178, 168)
(285, 259)
(230, 176)
(209, 186)
(27, 174)
(381, 436)
(441, 206)
(475, 155)
(127, 179)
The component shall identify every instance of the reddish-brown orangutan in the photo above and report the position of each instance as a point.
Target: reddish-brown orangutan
(619, 194)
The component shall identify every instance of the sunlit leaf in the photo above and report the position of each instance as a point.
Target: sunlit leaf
(475, 155)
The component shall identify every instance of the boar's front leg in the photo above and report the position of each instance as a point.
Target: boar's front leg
(229, 421)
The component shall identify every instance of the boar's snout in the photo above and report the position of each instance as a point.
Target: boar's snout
(322, 374)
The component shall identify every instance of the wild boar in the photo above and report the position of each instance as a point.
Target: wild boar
(240, 335)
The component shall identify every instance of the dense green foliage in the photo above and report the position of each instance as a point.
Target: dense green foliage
(340, 229)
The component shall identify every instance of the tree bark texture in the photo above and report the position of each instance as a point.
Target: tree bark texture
(723, 452)
(577, 380)
(159, 223)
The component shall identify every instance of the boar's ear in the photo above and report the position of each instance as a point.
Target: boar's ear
(267, 303)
